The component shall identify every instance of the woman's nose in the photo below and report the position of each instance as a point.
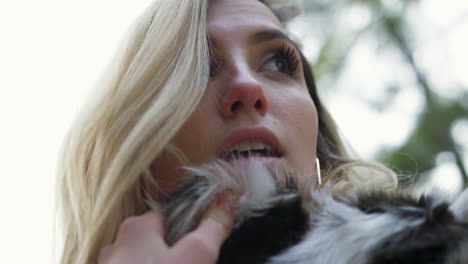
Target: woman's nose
(244, 94)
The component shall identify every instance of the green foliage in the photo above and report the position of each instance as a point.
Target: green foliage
(431, 136)
(388, 24)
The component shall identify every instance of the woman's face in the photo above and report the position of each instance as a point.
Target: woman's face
(256, 104)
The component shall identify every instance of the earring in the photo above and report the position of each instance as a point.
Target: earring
(319, 175)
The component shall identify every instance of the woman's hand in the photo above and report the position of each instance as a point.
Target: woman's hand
(140, 239)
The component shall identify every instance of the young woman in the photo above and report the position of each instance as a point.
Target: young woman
(197, 80)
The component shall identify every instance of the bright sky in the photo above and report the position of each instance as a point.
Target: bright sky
(51, 54)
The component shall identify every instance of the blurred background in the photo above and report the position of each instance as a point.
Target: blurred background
(394, 74)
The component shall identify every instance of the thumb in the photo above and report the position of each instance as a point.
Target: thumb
(205, 241)
(220, 216)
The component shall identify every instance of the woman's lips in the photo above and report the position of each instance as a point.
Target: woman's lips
(250, 134)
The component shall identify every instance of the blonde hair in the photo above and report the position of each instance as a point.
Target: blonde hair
(151, 90)
(143, 103)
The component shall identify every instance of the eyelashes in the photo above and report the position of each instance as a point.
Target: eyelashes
(285, 60)
(282, 60)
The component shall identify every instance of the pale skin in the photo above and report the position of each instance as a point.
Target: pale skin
(140, 239)
(262, 77)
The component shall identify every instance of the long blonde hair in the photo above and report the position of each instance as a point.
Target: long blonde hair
(147, 95)
(142, 104)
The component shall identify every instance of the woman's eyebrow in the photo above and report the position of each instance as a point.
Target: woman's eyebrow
(256, 38)
(268, 35)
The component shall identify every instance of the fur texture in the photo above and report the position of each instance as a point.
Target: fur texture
(282, 218)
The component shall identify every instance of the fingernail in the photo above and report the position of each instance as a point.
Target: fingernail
(227, 201)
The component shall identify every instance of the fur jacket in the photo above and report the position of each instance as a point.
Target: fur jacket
(283, 220)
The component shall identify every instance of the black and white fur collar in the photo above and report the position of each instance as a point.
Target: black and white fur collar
(283, 220)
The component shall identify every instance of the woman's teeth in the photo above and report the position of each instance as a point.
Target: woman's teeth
(251, 145)
(251, 149)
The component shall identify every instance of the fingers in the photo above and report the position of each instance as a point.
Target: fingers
(105, 255)
(204, 242)
(139, 238)
(148, 222)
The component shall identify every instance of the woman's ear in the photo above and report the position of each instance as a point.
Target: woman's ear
(460, 207)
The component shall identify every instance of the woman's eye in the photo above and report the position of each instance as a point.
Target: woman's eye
(276, 65)
(284, 61)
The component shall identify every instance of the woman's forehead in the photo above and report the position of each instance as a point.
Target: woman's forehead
(223, 12)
